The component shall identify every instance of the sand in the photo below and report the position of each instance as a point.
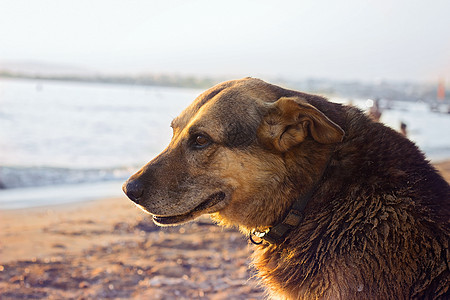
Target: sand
(108, 248)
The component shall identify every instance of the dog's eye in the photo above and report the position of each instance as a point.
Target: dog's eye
(201, 141)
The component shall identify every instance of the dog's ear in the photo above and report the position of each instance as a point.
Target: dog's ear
(290, 120)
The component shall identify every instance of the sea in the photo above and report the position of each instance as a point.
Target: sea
(63, 142)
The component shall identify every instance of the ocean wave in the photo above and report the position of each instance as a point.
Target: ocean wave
(18, 177)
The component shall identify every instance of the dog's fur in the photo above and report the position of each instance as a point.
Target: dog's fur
(377, 225)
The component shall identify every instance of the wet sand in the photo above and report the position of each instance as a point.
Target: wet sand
(110, 249)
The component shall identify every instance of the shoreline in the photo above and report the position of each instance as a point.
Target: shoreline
(68, 194)
(109, 248)
(64, 194)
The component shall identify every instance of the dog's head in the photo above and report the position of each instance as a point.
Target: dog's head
(233, 154)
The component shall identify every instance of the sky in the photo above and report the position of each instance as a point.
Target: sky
(348, 40)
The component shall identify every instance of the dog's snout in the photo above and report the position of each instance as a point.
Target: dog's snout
(134, 189)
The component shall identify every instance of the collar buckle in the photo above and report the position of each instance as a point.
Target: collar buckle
(277, 233)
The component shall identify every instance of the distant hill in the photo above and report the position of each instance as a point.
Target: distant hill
(42, 69)
(404, 91)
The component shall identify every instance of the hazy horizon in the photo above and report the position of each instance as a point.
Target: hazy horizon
(351, 40)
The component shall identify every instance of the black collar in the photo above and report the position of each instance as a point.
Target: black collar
(277, 233)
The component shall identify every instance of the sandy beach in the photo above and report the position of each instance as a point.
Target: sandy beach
(108, 248)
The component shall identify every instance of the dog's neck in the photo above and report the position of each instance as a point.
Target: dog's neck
(277, 233)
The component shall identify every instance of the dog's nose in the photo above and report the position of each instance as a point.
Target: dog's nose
(134, 189)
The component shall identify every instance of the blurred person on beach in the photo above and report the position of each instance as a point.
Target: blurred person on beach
(403, 129)
(375, 111)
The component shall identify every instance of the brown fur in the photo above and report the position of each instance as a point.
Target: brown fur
(377, 226)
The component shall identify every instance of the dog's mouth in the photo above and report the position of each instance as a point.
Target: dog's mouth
(197, 211)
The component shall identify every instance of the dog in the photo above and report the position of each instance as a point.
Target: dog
(341, 207)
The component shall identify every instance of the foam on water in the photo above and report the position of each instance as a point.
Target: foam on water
(58, 194)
